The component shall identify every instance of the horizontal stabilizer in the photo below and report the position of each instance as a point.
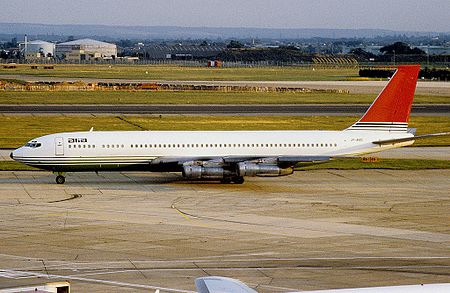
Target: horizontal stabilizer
(398, 140)
(221, 285)
(302, 159)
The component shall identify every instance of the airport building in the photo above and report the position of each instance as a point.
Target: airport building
(37, 49)
(85, 49)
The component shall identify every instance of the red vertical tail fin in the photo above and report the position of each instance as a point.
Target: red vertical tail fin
(390, 110)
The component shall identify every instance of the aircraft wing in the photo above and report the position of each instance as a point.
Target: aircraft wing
(231, 160)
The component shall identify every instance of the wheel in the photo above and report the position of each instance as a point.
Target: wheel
(60, 179)
(226, 180)
(238, 180)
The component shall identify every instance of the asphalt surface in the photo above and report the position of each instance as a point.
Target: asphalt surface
(308, 109)
(139, 231)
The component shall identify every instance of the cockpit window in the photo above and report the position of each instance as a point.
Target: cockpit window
(33, 144)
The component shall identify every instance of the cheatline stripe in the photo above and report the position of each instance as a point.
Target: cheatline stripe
(84, 162)
(384, 123)
(82, 159)
(378, 129)
(96, 158)
(381, 126)
(386, 126)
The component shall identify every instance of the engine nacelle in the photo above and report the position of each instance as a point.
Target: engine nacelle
(199, 172)
(253, 169)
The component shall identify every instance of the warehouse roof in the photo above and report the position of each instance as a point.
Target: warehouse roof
(87, 42)
(37, 42)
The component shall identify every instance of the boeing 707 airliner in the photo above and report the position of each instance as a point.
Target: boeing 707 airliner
(229, 156)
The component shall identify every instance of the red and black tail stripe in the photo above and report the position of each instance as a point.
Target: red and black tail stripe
(380, 126)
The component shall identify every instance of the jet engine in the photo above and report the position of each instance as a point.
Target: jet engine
(200, 172)
(254, 169)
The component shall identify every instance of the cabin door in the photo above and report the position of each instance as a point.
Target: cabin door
(59, 146)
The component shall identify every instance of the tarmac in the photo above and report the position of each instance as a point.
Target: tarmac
(137, 232)
(214, 109)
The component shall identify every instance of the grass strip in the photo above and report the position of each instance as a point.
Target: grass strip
(175, 72)
(16, 130)
(15, 166)
(391, 164)
(195, 97)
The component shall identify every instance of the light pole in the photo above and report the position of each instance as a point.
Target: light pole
(394, 57)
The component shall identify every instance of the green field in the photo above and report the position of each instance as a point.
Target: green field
(16, 130)
(174, 72)
(194, 97)
(339, 164)
(392, 164)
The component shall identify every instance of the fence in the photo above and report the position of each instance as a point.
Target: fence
(324, 63)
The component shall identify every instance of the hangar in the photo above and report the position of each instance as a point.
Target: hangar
(85, 49)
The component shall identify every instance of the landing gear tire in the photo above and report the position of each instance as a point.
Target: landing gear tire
(60, 179)
(238, 180)
(225, 180)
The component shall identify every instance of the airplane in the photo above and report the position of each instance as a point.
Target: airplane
(217, 284)
(229, 156)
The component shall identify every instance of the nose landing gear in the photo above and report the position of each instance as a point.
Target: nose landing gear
(60, 179)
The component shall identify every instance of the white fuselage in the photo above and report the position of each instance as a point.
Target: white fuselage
(98, 150)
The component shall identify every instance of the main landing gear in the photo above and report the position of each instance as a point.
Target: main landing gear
(60, 179)
(238, 180)
(235, 180)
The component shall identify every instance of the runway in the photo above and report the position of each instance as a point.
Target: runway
(264, 109)
(133, 232)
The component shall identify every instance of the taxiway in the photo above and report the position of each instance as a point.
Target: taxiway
(129, 232)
